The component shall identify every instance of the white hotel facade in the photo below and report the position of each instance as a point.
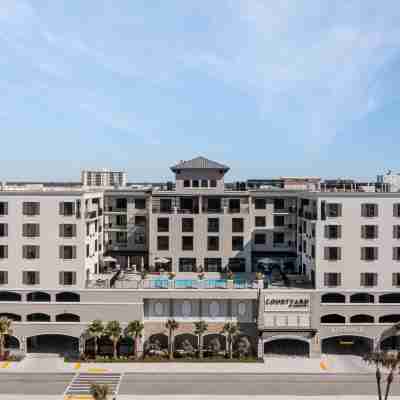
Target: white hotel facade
(334, 257)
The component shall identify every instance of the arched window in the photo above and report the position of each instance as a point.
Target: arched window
(13, 317)
(333, 319)
(361, 298)
(38, 317)
(38, 296)
(390, 298)
(362, 319)
(67, 317)
(68, 297)
(9, 296)
(389, 319)
(333, 298)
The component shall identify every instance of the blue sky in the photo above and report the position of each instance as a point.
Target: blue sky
(268, 87)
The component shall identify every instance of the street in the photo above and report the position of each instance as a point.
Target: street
(206, 384)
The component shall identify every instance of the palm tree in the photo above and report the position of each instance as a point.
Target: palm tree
(231, 330)
(99, 392)
(96, 331)
(172, 326)
(200, 328)
(5, 329)
(134, 330)
(390, 360)
(113, 330)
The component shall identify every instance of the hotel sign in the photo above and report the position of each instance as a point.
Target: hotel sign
(286, 302)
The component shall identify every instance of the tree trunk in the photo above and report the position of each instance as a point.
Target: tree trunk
(171, 346)
(378, 382)
(115, 349)
(135, 347)
(201, 346)
(230, 349)
(95, 346)
(2, 340)
(388, 383)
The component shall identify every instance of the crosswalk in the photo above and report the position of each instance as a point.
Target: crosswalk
(79, 388)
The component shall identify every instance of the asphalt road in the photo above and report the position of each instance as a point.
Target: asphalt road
(206, 384)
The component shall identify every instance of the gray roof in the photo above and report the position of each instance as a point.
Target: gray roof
(199, 163)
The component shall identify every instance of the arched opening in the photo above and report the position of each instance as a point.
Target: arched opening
(68, 297)
(333, 319)
(362, 319)
(67, 317)
(59, 344)
(391, 343)
(243, 346)
(389, 319)
(38, 317)
(354, 345)
(11, 342)
(156, 344)
(13, 317)
(9, 296)
(361, 298)
(214, 344)
(333, 298)
(389, 298)
(185, 343)
(287, 347)
(38, 296)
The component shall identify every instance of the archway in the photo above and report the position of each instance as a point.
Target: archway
(59, 344)
(362, 319)
(67, 317)
(68, 297)
(333, 298)
(11, 342)
(287, 346)
(13, 317)
(38, 317)
(214, 344)
(9, 296)
(38, 296)
(185, 342)
(243, 346)
(361, 298)
(390, 343)
(390, 298)
(347, 344)
(333, 319)
(157, 342)
(389, 319)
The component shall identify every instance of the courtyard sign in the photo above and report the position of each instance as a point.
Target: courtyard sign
(286, 302)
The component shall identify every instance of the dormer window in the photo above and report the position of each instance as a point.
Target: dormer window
(195, 183)
(204, 183)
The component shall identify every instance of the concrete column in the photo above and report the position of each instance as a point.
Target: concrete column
(82, 343)
(260, 348)
(22, 344)
(315, 346)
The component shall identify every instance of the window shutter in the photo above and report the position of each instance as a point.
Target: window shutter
(375, 253)
(362, 279)
(24, 251)
(339, 279)
(6, 208)
(376, 210)
(363, 231)
(6, 229)
(74, 278)
(37, 277)
(25, 277)
(73, 208)
(326, 253)
(74, 230)
(339, 209)
(5, 251)
(61, 230)
(394, 279)
(362, 253)
(37, 229)
(61, 252)
(326, 228)
(61, 277)
(394, 231)
(363, 210)
(375, 279)
(339, 253)
(61, 208)
(325, 279)
(339, 231)
(73, 251)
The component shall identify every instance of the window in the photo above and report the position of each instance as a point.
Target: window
(30, 252)
(187, 265)
(121, 220)
(186, 183)
(3, 208)
(187, 225)
(140, 204)
(333, 231)
(195, 183)
(67, 230)
(396, 279)
(259, 238)
(212, 265)
(162, 243)
(237, 243)
(312, 251)
(234, 205)
(140, 238)
(333, 210)
(396, 210)
(332, 253)
(31, 230)
(237, 225)
(278, 237)
(369, 210)
(396, 231)
(31, 208)
(204, 183)
(279, 204)
(214, 204)
(67, 278)
(368, 279)
(67, 209)
(3, 251)
(140, 220)
(369, 231)
(260, 222)
(3, 230)
(3, 277)
(237, 264)
(163, 224)
(259, 204)
(213, 243)
(122, 237)
(213, 225)
(369, 253)
(67, 252)
(30, 277)
(187, 243)
(396, 253)
(165, 205)
(121, 204)
(279, 220)
(213, 183)
(332, 279)
(87, 251)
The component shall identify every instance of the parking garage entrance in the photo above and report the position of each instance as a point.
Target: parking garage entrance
(287, 347)
(351, 345)
(58, 344)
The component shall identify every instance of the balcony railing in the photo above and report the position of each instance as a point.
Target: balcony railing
(209, 210)
(115, 210)
(158, 210)
(90, 214)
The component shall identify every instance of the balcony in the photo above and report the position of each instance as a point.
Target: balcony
(194, 210)
(115, 227)
(115, 210)
(286, 210)
(209, 210)
(163, 210)
(90, 214)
